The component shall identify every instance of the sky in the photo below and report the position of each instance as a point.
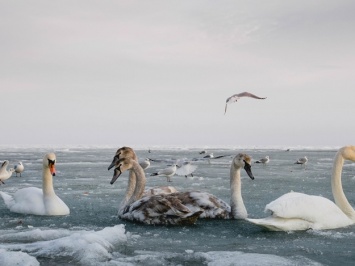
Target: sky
(158, 73)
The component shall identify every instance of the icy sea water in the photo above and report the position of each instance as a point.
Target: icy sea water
(93, 235)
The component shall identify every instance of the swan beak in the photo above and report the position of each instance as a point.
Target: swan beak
(116, 174)
(52, 169)
(247, 168)
(115, 159)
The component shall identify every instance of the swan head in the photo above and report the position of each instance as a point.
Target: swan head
(348, 153)
(243, 160)
(122, 152)
(121, 165)
(49, 161)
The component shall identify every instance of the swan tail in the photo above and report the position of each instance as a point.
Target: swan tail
(9, 200)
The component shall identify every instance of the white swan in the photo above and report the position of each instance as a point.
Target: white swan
(127, 152)
(38, 201)
(195, 201)
(4, 173)
(19, 168)
(298, 211)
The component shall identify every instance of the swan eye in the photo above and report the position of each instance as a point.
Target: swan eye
(51, 161)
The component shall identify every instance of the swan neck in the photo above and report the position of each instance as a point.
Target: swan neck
(47, 182)
(140, 182)
(238, 210)
(130, 189)
(337, 188)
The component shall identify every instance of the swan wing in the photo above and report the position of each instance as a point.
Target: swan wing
(212, 206)
(160, 209)
(27, 201)
(159, 190)
(8, 199)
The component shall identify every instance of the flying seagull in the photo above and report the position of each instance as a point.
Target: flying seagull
(236, 97)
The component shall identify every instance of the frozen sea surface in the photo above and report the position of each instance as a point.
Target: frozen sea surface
(93, 235)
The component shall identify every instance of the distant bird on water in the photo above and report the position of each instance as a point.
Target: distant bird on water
(302, 161)
(264, 160)
(234, 98)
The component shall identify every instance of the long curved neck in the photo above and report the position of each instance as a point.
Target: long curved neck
(238, 210)
(337, 188)
(130, 189)
(140, 182)
(47, 182)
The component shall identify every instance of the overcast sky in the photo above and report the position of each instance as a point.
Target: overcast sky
(147, 73)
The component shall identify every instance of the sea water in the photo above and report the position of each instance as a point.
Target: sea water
(93, 234)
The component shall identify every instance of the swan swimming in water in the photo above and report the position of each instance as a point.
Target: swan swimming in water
(297, 211)
(127, 152)
(212, 206)
(4, 173)
(38, 201)
(164, 209)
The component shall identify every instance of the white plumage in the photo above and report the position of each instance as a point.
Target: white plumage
(186, 169)
(168, 172)
(38, 201)
(19, 168)
(298, 211)
(4, 173)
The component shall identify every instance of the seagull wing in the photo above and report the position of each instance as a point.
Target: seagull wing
(248, 94)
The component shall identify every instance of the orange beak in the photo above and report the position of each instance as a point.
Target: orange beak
(52, 169)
